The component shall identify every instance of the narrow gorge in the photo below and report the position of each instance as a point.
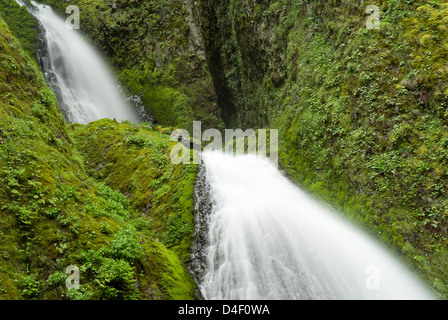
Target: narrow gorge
(355, 208)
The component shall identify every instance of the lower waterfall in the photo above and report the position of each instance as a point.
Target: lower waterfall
(267, 239)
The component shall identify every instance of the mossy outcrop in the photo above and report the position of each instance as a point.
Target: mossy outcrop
(135, 160)
(59, 207)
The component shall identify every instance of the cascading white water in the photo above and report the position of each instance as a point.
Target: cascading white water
(266, 238)
(75, 71)
(269, 240)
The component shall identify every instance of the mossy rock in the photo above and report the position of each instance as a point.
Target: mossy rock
(55, 214)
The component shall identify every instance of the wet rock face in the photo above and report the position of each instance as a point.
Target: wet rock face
(203, 209)
(242, 49)
(42, 52)
(45, 65)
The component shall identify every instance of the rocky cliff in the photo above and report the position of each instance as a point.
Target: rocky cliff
(361, 112)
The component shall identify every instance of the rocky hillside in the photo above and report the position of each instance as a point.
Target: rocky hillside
(362, 113)
(62, 204)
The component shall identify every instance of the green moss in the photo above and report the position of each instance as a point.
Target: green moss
(136, 162)
(55, 214)
(22, 24)
(361, 113)
(173, 279)
(157, 54)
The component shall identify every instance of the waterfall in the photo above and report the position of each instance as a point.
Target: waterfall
(259, 236)
(267, 239)
(77, 74)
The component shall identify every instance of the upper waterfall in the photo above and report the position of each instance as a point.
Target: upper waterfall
(85, 88)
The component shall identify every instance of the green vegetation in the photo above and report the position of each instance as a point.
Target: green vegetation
(361, 113)
(58, 208)
(22, 24)
(157, 53)
(362, 116)
(135, 160)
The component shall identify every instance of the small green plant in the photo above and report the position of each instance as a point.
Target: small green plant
(139, 140)
(47, 97)
(39, 110)
(125, 245)
(105, 228)
(30, 287)
(116, 280)
(56, 279)
(84, 292)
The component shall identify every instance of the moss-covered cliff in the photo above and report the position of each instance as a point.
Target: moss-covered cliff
(361, 115)
(61, 207)
(136, 162)
(361, 112)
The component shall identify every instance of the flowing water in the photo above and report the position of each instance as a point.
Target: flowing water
(266, 239)
(262, 237)
(85, 88)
